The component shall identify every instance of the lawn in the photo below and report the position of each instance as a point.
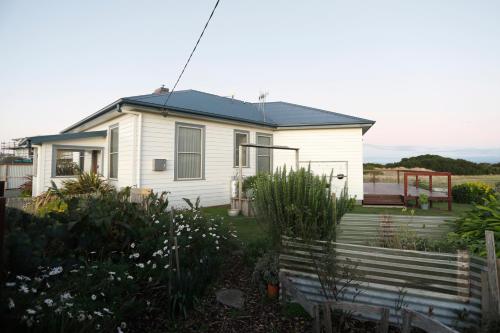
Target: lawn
(249, 230)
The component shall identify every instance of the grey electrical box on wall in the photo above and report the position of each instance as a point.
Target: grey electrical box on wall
(159, 164)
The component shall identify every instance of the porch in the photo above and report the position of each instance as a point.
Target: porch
(415, 183)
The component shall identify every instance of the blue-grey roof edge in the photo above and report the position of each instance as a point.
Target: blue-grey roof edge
(300, 118)
(65, 136)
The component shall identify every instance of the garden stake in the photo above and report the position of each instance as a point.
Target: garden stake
(177, 259)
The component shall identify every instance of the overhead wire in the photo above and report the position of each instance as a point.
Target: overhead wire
(191, 55)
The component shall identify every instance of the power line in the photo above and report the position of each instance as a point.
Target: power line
(192, 52)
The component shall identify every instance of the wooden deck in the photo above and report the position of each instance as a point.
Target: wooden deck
(393, 194)
(398, 189)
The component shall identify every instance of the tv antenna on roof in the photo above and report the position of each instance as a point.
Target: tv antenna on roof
(262, 102)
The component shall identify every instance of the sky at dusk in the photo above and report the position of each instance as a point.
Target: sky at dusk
(428, 72)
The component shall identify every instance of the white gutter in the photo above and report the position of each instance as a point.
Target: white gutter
(137, 144)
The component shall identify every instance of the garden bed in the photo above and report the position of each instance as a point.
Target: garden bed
(258, 314)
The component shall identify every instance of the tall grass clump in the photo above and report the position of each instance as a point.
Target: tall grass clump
(298, 204)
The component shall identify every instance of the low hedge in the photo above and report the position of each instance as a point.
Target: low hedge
(473, 192)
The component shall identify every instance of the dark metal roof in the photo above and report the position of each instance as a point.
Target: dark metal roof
(34, 140)
(286, 114)
(197, 102)
(276, 114)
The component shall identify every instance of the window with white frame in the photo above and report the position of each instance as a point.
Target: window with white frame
(69, 162)
(189, 144)
(264, 155)
(239, 138)
(113, 152)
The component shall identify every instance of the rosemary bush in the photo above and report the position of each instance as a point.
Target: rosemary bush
(298, 204)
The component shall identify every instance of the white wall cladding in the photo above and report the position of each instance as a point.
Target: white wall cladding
(158, 141)
(144, 136)
(44, 173)
(326, 149)
(126, 149)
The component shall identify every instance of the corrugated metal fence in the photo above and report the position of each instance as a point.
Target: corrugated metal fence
(445, 286)
(366, 229)
(15, 175)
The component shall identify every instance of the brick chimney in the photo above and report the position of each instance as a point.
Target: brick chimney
(161, 90)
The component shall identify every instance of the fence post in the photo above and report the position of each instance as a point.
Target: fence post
(485, 298)
(327, 317)
(384, 321)
(406, 327)
(2, 225)
(316, 319)
(491, 260)
(463, 261)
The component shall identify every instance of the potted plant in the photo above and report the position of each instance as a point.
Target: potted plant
(233, 212)
(266, 274)
(424, 201)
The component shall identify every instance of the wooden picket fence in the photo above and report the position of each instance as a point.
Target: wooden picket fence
(444, 287)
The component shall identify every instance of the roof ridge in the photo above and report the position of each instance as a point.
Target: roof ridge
(230, 98)
(323, 111)
(153, 94)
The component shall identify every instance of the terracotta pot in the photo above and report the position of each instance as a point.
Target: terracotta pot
(272, 290)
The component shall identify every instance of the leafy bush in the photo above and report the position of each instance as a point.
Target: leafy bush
(89, 273)
(27, 187)
(473, 192)
(423, 199)
(86, 182)
(471, 226)
(297, 204)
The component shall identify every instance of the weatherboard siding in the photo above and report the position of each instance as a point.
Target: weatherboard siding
(44, 173)
(158, 141)
(330, 146)
(127, 148)
(156, 136)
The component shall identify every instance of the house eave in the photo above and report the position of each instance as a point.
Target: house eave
(154, 108)
(364, 126)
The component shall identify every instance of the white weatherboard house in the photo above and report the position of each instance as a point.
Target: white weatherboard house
(190, 147)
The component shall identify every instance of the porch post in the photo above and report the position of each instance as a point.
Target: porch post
(296, 160)
(240, 178)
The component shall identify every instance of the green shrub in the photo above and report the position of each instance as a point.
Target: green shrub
(103, 290)
(471, 226)
(298, 204)
(473, 192)
(85, 183)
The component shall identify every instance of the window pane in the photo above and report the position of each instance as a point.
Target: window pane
(189, 165)
(263, 164)
(114, 140)
(189, 152)
(113, 165)
(239, 139)
(264, 154)
(69, 162)
(189, 140)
